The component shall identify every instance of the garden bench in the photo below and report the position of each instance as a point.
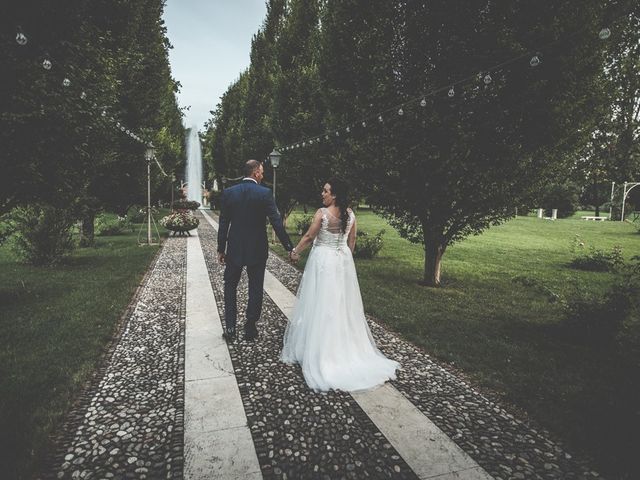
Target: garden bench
(597, 219)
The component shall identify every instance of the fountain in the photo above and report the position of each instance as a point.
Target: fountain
(194, 167)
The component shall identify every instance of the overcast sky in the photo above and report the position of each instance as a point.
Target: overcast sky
(211, 43)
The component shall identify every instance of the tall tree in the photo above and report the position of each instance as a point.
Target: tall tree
(58, 148)
(459, 164)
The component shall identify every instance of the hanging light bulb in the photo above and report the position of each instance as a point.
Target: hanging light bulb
(535, 61)
(104, 113)
(423, 103)
(348, 129)
(451, 93)
(46, 64)
(21, 38)
(66, 82)
(83, 96)
(400, 112)
(326, 137)
(337, 133)
(128, 132)
(487, 79)
(380, 119)
(364, 124)
(122, 128)
(604, 34)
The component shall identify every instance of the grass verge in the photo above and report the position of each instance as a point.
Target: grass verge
(510, 337)
(54, 325)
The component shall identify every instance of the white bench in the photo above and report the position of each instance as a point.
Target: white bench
(597, 219)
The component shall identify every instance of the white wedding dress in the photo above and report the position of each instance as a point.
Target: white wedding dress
(328, 334)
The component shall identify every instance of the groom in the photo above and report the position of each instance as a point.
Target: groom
(242, 242)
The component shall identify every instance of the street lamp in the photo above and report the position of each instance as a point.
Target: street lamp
(274, 158)
(149, 155)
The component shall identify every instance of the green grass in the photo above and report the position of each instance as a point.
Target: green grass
(508, 337)
(54, 325)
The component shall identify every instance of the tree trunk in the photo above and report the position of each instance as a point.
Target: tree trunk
(434, 249)
(87, 230)
(596, 196)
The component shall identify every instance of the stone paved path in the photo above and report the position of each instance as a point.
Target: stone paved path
(129, 423)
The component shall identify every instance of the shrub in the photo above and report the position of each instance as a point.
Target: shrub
(537, 286)
(186, 205)
(182, 221)
(595, 259)
(590, 316)
(42, 233)
(368, 246)
(137, 214)
(303, 223)
(6, 228)
(107, 225)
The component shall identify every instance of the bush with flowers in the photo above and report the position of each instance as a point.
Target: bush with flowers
(180, 221)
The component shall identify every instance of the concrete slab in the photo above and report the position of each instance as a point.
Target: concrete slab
(213, 404)
(218, 443)
(220, 455)
(427, 450)
(204, 357)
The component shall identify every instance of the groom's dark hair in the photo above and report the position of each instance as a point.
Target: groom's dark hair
(250, 167)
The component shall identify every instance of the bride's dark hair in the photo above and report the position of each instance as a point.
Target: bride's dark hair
(340, 190)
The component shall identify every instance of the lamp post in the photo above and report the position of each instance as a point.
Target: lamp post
(274, 158)
(149, 155)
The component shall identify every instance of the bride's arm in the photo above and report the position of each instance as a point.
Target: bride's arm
(351, 239)
(311, 234)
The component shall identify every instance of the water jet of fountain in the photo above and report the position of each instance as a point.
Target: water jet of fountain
(194, 166)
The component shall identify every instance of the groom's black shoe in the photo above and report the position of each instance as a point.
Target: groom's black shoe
(229, 335)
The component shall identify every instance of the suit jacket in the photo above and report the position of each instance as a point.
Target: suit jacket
(242, 232)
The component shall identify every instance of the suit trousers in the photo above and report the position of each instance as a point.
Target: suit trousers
(232, 275)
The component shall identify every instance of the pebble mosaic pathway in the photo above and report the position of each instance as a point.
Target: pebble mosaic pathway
(130, 421)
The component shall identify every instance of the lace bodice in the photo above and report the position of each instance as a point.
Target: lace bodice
(330, 234)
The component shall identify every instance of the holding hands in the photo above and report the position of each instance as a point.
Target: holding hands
(294, 256)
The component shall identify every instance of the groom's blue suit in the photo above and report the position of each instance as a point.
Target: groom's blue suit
(242, 238)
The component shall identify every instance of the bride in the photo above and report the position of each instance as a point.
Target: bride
(328, 334)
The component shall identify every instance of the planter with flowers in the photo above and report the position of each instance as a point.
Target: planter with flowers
(180, 222)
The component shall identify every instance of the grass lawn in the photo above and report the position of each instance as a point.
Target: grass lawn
(54, 325)
(508, 337)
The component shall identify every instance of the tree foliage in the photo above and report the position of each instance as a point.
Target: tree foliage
(452, 166)
(57, 146)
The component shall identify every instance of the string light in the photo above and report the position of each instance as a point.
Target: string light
(535, 61)
(46, 64)
(423, 103)
(451, 92)
(337, 133)
(348, 129)
(380, 119)
(66, 82)
(83, 96)
(21, 38)
(604, 34)
(364, 124)
(487, 79)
